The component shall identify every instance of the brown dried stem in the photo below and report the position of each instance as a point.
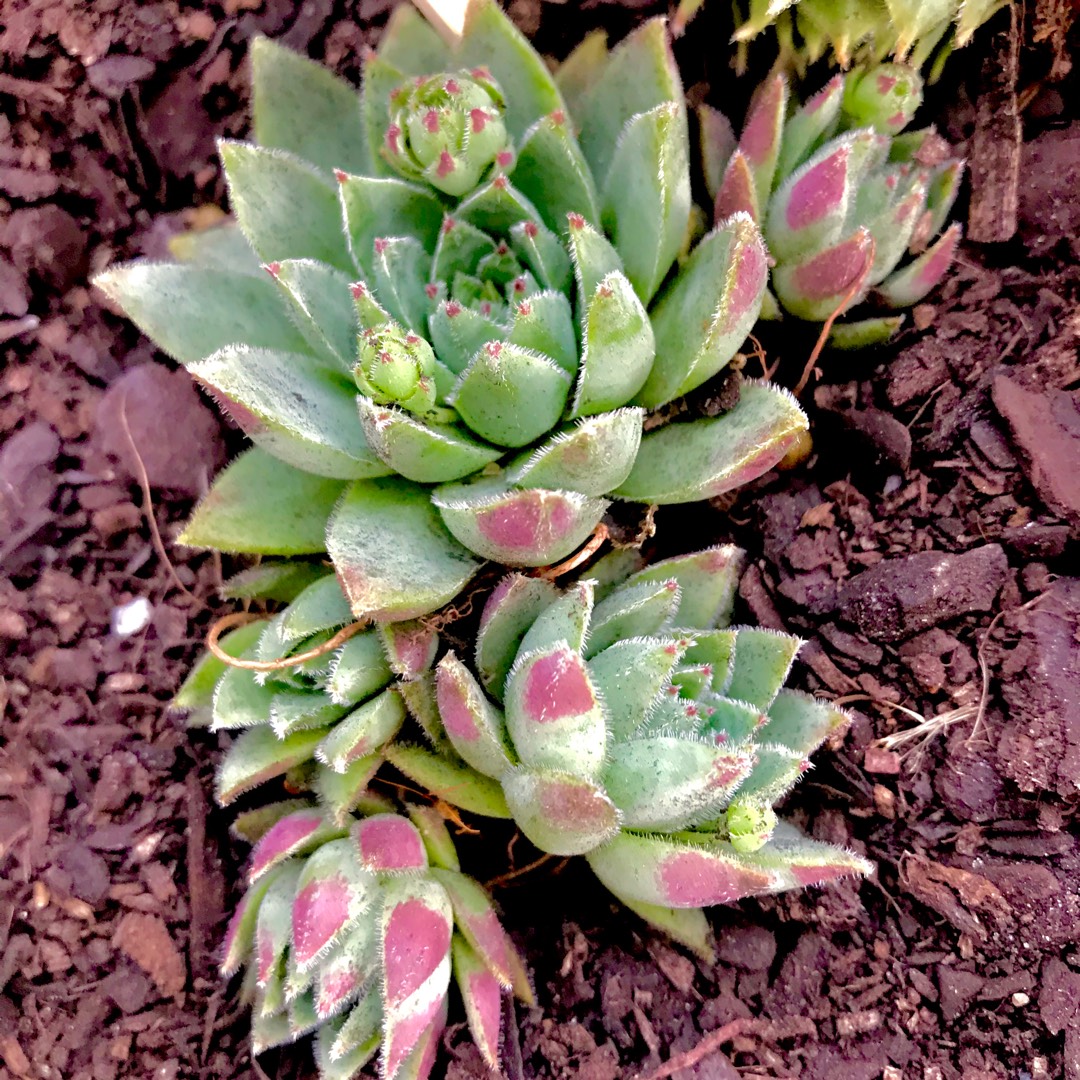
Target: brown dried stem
(239, 618)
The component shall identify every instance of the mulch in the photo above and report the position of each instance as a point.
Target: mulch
(924, 550)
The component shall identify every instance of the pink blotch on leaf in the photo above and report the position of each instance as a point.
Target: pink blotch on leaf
(567, 804)
(416, 940)
(694, 879)
(335, 988)
(818, 875)
(431, 121)
(281, 838)
(485, 996)
(451, 86)
(761, 134)
(446, 164)
(320, 910)
(503, 158)
(736, 194)
(390, 843)
(402, 1036)
(818, 191)
(478, 118)
(393, 133)
(885, 83)
(267, 956)
(556, 686)
(454, 708)
(834, 271)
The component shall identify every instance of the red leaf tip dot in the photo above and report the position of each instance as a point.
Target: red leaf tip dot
(446, 164)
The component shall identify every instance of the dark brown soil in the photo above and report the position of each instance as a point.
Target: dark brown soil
(924, 550)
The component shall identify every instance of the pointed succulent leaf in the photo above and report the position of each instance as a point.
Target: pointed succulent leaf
(942, 192)
(646, 202)
(550, 170)
(795, 861)
(195, 698)
(191, 311)
(911, 283)
(269, 1031)
(704, 458)
(344, 1047)
(346, 972)
(510, 610)
(509, 395)
(543, 253)
(802, 723)
(259, 755)
(321, 606)
(613, 569)
(553, 714)
(618, 348)
(737, 194)
(707, 583)
(475, 726)
(302, 107)
(482, 994)
(592, 457)
(340, 793)
(399, 278)
(562, 813)
(864, 333)
(497, 207)
(381, 78)
(252, 825)
(414, 931)
(240, 935)
(776, 771)
(296, 834)
(687, 926)
(285, 206)
(294, 407)
(365, 730)
(892, 229)
(593, 256)
(565, 621)
(582, 67)
(475, 917)
(703, 317)
(334, 892)
(672, 874)
(639, 75)
(491, 41)
(421, 1061)
(411, 647)
(358, 669)
(716, 647)
(322, 308)
(729, 722)
(667, 783)
(634, 610)
(296, 710)
(221, 247)
(716, 144)
(810, 124)
(532, 527)
(273, 923)
(828, 281)
(393, 555)
(452, 780)
(763, 659)
(884, 97)
(389, 844)
(420, 702)
(544, 323)
(762, 135)
(630, 676)
(460, 248)
(240, 701)
(438, 843)
(281, 581)
(412, 44)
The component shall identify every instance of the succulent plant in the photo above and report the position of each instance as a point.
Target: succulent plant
(851, 209)
(867, 31)
(448, 304)
(352, 930)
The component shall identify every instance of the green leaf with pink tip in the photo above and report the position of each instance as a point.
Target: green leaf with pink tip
(737, 194)
(892, 229)
(380, 79)
(251, 826)
(458, 332)
(438, 843)
(358, 669)
(531, 527)
(452, 780)
(809, 209)
(630, 676)
(302, 107)
(195, 698)
(374, 207)
(393, 555)
(191, 311)
(566, 621)
(618, 348)
(240, 935)
(762, 135)
(482, 995)
(593, 256)
(543, 253)
(727, 721)
(801, 722)
(551, 171)
(341, 793)
(667, 783)
(459, 249)
(399, 276)
(544, 323)
(639, 75)
(646, 200)
(509, 395)
(795, 861)
(322, 308)
(777, 770)
(562, 813)
(414, 930)
(763, 659)
(884, 97)
(426, 453)
(296, 834)
(389, 844)
(705, 314)
(364, 731)
(668, 873)
(297, 710)
(810, 124)
(634, 610)
(497, 207)
(510, 610)
(553, 714)
(592, 457)
(476, 728)
(333, 894)
(294, 407)
(704, 458)
(285, 207)
(475, 918)
(346, 973)
(411, 647)
(716, 144)
(913, 282)
(259, 755)
(687, 926)
(708, 580)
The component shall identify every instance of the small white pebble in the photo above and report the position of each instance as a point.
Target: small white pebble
(130, 618)
(1020, 999)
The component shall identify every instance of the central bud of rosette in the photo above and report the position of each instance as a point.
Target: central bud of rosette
(447, 129)
(397, 368)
